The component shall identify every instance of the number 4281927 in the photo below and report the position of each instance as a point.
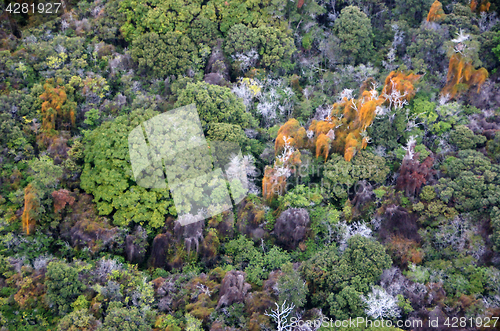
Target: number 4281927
(478, 322)
(25, 8)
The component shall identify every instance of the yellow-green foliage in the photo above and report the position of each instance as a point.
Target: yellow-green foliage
(55, 62)
(108, 176)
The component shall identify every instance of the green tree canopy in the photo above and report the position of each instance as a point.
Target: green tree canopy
(78, 320)
(161, 55)
(108, 175)
(215, 104)
(63, 285)
(464, 138)
(168, 16)
(273, 45)
(336, 281)
(473, 182)
(120, 318)
(291, 286)
(354, 30)
(340, 175)
(226, 132)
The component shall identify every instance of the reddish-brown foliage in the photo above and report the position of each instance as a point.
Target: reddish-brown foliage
(404, 250)
(62, 197)
(436, 13)
(414, 174)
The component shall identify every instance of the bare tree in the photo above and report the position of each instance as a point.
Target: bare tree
(280, 315)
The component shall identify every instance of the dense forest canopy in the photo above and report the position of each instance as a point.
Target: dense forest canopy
(368, 132)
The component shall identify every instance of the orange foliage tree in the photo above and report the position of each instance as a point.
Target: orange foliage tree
(399, 88)
(292, 133)
(462, 76)
(275, 177)
(482, 6)
(31, 204)
(343, 131)
(58, 112)
(436, 13)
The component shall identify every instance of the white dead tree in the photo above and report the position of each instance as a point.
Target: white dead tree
(396, 99)
(381, 304)
(280, 315)
(410, 148)
(459, 41)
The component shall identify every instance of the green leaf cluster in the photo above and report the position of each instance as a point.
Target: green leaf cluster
(257, 264)
(165, 54)
(63, 285)
(473, 182)
(107, 175)
(340, 175)
(337, 281)
(354, 30)
(215, 104)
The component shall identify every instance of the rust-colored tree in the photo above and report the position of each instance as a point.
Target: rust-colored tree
(275, 177)
(58, 112)
(462, 76)
(413, 174)
(294, 133)
(481, 7)
(62, 198)
(343, 131)
(404, 251)
(31, 204)
(436, 13)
